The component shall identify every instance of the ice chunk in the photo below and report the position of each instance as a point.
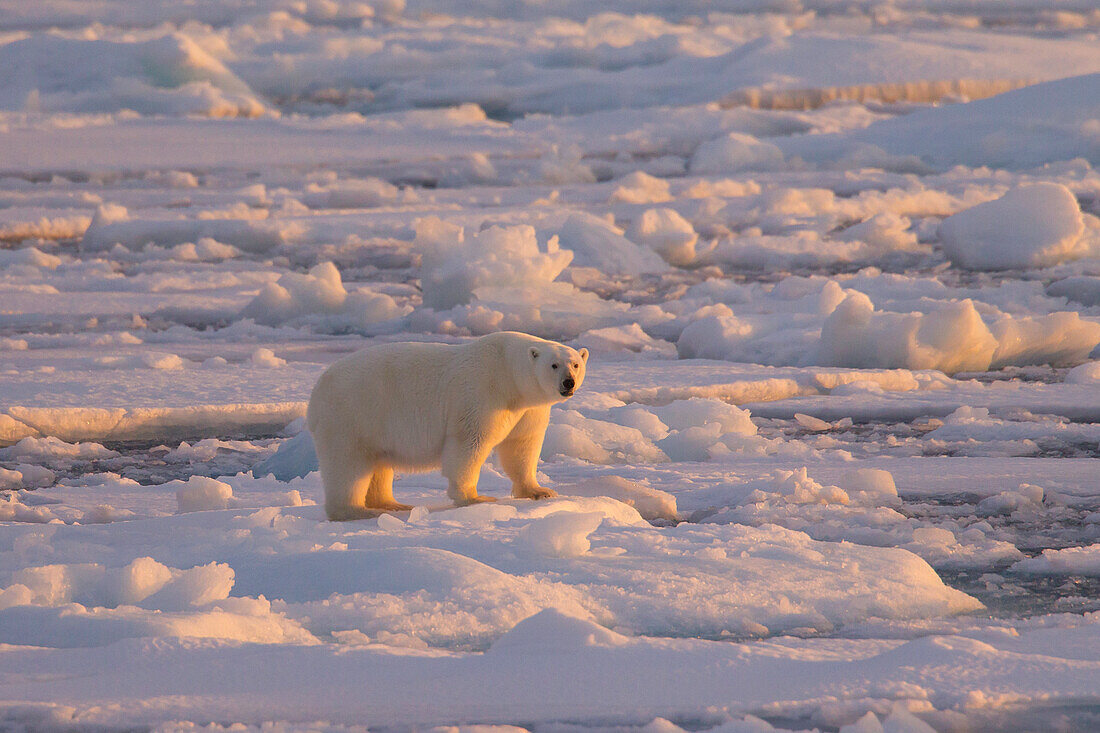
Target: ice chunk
(1026, 497)
(651, 503)
(390, 523)
(901, 720)
(691, 443)
(351, 194)
(454, 266)
(563, 534)
(667, 233)
(950, 338)
(628, 340)
(597, 441)
(811, 423)
(143, 581)
(197, 586)
(10, 479)
(797, 487)
(55, 449)
(641, 188)
(596, 243)
(137, 581)
(713, 336)
(883, 232)
(295, 458)
(875, 481)
(1036, 225)
(703, 411)
(265, 358)
(1070, 561)
(320, 296)
(1058, 339)
(201, 493)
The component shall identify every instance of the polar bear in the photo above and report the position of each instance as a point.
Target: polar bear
(422, 406)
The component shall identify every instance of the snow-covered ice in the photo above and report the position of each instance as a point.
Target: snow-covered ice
(834, 462)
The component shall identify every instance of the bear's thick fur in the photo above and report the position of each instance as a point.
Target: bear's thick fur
(421, 406)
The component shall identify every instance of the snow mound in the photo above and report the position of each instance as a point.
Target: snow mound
(170, 75)
(553, 630)
(1036, 225)
(736, 152)
(1082, 289)
(351, 194)
(1036, 125)
(29, 256)
(247, 235)
(1088, 373)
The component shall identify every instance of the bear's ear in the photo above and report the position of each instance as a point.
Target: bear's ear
(534, 353)
(584, 354)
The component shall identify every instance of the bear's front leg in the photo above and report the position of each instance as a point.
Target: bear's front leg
(462, 461)
(519, 454)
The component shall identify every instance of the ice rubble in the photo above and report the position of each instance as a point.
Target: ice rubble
(320, 298)
(696, 229)
(171, 74)
(947, 335)
(455, 268)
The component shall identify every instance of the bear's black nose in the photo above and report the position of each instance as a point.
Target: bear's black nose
(567, 384)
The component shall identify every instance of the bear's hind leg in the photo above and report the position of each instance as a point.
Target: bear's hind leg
(347, 475)
(380, 491)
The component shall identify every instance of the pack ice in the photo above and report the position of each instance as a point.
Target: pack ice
(833, 465)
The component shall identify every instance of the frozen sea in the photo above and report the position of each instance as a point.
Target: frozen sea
(835, 463)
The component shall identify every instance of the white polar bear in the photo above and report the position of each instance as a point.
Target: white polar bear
(421, 406)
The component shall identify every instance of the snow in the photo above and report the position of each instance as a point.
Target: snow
(834, 462)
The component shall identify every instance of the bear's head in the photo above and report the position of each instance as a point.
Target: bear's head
(558, 369)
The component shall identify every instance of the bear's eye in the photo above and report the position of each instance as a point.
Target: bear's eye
(553, 366)
(576, 366)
